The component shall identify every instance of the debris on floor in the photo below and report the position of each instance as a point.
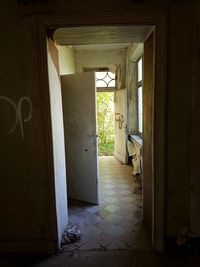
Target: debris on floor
(71, 234)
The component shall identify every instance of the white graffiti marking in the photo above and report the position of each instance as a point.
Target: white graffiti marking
(18, 113)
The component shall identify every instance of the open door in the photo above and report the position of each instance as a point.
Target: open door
(79, 112)
(120, 151)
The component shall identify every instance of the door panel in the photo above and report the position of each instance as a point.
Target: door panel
(79, 109)
(121, 125)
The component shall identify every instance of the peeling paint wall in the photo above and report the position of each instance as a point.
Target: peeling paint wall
(102, 58)
(66, 60)
(134, 52)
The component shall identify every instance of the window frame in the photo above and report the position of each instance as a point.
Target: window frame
(139, 83)
(102, 69)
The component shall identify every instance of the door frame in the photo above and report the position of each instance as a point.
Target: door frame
(43, 23)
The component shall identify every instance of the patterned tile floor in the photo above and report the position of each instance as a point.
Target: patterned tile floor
(116, 222)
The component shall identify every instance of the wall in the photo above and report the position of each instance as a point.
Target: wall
(23, 161)
(58, 139)
(134, 52)
(179, 90)
(102, 58)
(23, 198)
(195, 129)
(66, 60)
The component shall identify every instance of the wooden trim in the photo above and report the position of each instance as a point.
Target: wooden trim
(148, 131)
(137, 17)
(43, 85)
(159, 105)
(53, 50)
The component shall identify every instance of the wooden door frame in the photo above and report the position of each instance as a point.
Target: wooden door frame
(43, 23)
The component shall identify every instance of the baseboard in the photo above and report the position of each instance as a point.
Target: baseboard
(120, 157)
(32, 246)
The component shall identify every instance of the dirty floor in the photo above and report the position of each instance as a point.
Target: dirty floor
(119, 258)
(112, 234)
(114, 224)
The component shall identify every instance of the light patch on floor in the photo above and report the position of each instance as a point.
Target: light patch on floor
(116, 223)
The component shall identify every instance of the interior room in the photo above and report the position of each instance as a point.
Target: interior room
(118, 69)
(104, 192)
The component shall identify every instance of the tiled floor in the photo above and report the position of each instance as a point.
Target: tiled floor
(116, 222)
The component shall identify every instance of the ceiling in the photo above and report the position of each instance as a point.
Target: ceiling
(101, 46)
(101, 37)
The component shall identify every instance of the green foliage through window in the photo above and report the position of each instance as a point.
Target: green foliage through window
(106, 123)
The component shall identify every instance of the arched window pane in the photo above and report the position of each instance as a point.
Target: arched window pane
(105, 79)
(101, 75)
(101, 83)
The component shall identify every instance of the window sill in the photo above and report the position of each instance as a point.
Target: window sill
(136, 138)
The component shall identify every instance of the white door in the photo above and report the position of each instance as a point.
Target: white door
(79, 111)
(121, 125)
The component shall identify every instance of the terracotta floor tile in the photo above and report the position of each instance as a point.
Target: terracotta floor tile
(90, 245)
(108, 186)
(92, 209)
(104, 239)
(123, 186)
(114, 218)
(92, 231)
(117, 245)
(111, 207)
(115, 231)
(77, 244)
(129, 198)
(131, 206)
(109, 192)
(110, 199)
(103, 224)
(125, 192)
(103, 213)
(116, 222)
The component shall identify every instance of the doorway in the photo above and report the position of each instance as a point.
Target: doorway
(116, 222)
(159, 33)
(116, 190)
(105, 123)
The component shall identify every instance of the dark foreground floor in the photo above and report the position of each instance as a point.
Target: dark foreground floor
(125, 246)
(134, 258)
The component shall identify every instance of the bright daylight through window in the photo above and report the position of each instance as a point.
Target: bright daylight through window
(105, 79)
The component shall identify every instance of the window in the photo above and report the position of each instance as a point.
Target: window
(105, 79)
(139, 95)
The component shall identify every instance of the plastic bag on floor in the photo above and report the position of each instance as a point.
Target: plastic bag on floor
(71, 234)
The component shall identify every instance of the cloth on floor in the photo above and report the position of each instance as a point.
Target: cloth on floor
(134, 150)
(130, 147)
(70, 235)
